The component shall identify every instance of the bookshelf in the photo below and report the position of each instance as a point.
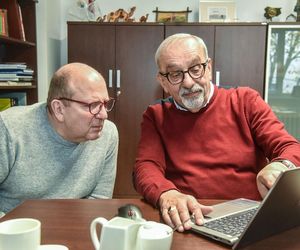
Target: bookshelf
(20, 44)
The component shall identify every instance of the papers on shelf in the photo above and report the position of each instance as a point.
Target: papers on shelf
(16, 83)
(11, 65)
(15, 74)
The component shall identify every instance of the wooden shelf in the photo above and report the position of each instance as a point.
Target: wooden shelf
(17, 87)
(15, 41)
(20, 45)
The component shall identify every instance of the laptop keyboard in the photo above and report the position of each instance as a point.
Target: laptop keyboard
(232, 225)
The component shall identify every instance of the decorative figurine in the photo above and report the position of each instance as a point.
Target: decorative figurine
(121, 15)
(143, 19)
(271, 12)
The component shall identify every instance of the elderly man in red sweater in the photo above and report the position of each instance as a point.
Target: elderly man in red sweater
(206, 142)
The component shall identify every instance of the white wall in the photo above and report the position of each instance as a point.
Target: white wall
(253, 10)
(53, 15)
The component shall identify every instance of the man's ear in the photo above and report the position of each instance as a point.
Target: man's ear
(58, 109)
(162, 82)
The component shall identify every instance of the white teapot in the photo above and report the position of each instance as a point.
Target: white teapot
(125, 234)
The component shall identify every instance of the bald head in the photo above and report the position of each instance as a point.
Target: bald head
(71, 78)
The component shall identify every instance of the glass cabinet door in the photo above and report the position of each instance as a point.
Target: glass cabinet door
(283, 75)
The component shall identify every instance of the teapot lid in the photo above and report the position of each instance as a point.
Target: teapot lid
(154, 230)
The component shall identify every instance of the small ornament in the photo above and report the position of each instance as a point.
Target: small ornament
(271, 12)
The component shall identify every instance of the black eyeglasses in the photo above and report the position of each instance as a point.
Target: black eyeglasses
(94, 107)
(195, 72)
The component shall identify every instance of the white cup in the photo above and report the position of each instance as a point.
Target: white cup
(17, 234)
(154, 235)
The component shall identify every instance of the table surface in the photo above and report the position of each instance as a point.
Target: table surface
(67, 222)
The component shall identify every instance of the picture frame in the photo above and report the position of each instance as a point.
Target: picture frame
(217, 11)
(171, 16)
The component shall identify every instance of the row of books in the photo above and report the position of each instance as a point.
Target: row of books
(10, 99)
(15, 74)
(11, 20)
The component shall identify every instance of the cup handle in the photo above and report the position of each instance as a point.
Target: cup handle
(93, 231)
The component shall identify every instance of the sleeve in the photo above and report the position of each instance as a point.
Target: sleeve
(149, 170)
(105, 186)
(269, 131)
(6, 152)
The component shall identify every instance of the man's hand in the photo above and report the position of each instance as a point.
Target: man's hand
(267, 176)
(176, 209)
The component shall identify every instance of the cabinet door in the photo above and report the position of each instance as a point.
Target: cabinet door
(94, 45)
(124, 54)
(240, 55)
(135, 49)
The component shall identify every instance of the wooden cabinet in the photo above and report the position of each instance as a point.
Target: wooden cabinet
(124, 55)
(237, 50)
(15, 49)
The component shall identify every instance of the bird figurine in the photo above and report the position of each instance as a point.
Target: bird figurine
(143, 19)
(271, 12)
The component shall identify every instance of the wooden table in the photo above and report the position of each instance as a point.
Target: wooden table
(67, 222)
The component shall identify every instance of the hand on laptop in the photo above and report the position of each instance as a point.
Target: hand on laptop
(267, 176)
(177, 208)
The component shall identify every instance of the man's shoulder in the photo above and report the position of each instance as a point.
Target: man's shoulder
(240, 93)
(110, 128)
(21, 113)
(239, 90)
(109, 125)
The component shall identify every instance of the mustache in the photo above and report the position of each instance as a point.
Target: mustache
(195, 88)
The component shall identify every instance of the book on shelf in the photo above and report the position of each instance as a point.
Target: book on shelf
(7, 102)
(17, 70)
(15, 74)
(3, 22)
(15, 77)
(14, 18)
(21, 25)
(20, 98)
(13, 65)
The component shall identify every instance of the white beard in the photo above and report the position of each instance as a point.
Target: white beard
(196, 102)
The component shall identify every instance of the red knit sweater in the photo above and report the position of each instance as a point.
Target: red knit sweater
(215, 153)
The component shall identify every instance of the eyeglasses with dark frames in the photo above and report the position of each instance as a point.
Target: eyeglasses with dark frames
(195, 72)
(94, 107)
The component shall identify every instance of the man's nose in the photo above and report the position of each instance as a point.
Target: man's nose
(188, 81)
(102, 114)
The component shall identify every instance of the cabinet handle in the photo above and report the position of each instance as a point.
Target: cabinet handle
(218, 78)
(118, 83)
(110, 75)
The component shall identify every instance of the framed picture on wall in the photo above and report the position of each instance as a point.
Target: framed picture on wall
(217, 11)
(171, 16)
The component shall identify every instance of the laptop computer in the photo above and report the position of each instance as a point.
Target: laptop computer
(279, 211)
